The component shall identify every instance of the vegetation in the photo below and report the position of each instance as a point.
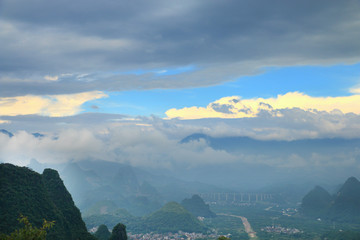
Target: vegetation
(172, 218)
(28, 231)
(197, 206)
(102, 233)
(38, 197)
(341, 235)
(119, 232)
(316, 202)
(228, 225)
(344, 207)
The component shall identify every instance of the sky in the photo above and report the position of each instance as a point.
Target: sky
(85, 73)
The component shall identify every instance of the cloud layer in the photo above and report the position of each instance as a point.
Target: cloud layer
(63, 47)
(235, 107)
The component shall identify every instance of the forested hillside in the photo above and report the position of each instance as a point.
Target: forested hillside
(39, 197)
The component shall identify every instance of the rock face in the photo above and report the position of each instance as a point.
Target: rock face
(197, 207)
(344, 206)
(38, 196)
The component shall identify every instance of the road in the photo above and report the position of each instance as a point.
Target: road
(247, 226)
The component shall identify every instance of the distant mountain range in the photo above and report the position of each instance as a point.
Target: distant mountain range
(343, 206)
(9, 134)
(250, 145)
(38, 196)
(131, 188)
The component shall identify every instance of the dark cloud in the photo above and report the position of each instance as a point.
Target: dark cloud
(228, 38)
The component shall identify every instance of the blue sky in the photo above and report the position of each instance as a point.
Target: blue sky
(316, 81)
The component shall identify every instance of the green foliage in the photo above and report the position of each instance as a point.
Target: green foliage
(341, 235)
(228, 225)
(171, 218)
(38, 197)
(197, 206)
(119, 232)
(29, 232)
(102, 233)
(345, 207)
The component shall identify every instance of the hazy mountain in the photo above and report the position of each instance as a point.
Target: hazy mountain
(9, 134)
(38, 196)
(316, 203)
(132, 188)
(171, 218)
(344, 206)
(126, 181)
(197, 206)
(247, 144)
(347, 202)
(263, 162)
(101, 208)
(80, 182)
(102, 233)
(37, 135)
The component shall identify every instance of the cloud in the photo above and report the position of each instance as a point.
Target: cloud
(153, 148)
(235, 107)
(224, 40)
(4, 121)
(51, 78)
(53, 105)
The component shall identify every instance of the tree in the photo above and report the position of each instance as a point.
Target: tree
(223, 238)
(28, 232)
(102, 233)
(119, 232)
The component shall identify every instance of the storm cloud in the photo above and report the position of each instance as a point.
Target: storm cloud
(66, 47)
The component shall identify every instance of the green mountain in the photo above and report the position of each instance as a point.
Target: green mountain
(38, 196)
(102, 233)
(316, 203)
(197, 206)
(347, 202)
(171, 218)
(344, 206)
(101, 208)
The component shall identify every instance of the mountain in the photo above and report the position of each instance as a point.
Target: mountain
(347, 202)
(38, 196)
(173, 218)
(247, 144)
(102, 233)
(344, 206)
(125, 180)
(266, 162)
(197, 207)
(316, 203)
(134, 224)
(101, 208)
(9, 134)
(137, 190)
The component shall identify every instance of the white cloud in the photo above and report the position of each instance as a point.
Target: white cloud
(51, 78)
(235, 107)
(52, 105)
(4, 121)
